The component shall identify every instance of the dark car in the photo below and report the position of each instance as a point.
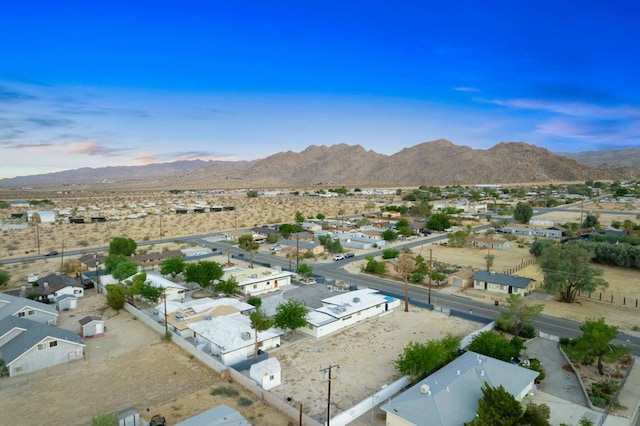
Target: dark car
(52, 253)
(347, 255)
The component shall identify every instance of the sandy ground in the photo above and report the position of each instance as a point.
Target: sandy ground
(365, 354)
(128, 366)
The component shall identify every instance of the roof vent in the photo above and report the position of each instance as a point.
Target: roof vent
(482, 373)
(245, 335)
(46, 285)
(356, 300)
(458, 372)
(425, 389)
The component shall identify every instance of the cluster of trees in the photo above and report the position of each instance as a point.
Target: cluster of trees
(438, 222)
(497, 407)
(138, 286)
(118, 263)
(567, 268)
(492, 344)
(519, 316)
(290, 315)
(332, 245)
(418, 360)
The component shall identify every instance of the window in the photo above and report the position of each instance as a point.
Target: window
(255, 286)
(31, 312)
(21, 314)
(53, 343)
(42, 346)
(272, 377)
(77, 291)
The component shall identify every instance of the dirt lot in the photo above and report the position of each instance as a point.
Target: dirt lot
(129, 366)
(365, 354)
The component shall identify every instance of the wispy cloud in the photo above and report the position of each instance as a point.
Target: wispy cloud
(13, 95)
(466, 89)
(578, 109)
(49, 122)
(91, 148)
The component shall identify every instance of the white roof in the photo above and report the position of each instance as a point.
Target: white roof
(203, 305)
(266, 367)
(348, 303)
(226, 332)
(158, 281)
(247, 276)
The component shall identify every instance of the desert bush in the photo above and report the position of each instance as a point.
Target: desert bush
(244, 402)
(225, 391)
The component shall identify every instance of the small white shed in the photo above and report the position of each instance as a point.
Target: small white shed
(267, 374)
(92, 326)
(66, 302)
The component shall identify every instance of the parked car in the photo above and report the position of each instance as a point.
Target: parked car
(52, 253)
(349, 254)
(277, 247)
(338, 257)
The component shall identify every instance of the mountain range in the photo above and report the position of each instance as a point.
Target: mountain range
(432, 163)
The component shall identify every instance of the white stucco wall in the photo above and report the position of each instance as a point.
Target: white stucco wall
(35, 359)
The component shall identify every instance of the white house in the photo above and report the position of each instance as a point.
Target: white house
(21, 307)
(502, 283)
(267, 374)
(449, 397)
(27, 346)
(258, 280)
(47, 288)
(231, 339)
(347, 309)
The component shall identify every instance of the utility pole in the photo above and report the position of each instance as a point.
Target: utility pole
(297, 251)
(160, 225)
(327, 371)
(62, 257)
(430, 272)
(166, 326)
(95, 259)
(38, 237)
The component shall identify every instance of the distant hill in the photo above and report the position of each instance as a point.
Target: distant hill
(629, 157)
(432, 163)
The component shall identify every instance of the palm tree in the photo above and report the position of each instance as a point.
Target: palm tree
(259, 322)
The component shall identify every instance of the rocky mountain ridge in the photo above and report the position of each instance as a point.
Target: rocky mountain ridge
(433, 163)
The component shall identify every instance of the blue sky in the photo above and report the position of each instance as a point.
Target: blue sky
(95, 83)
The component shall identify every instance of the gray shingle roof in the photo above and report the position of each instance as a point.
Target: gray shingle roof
(10, 304)
(34, 333)
(454, 390)
(90, 318)
(48, 285)
(502, 279)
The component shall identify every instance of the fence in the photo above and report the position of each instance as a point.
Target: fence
(217, 366)
(610, 298)
(523, 264)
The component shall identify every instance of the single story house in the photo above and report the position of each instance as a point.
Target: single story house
(267, 374)
(489, 243)
(461, 279)
(231, 339)
(346, 309)
(181, 314)
(222, 415)
(449, 397)
(27, 346)
(152, 259)
(502, 283)
(66, 302)
(172, 291)
(303, 246)
(47, 288)
(92, 326)
(22, 307)
(554, 232)
(258, 280)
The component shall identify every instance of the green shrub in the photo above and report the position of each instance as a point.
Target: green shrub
(244, 402)
(535, 365)
(225, 391)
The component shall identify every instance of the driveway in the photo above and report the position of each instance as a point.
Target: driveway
(559, 382)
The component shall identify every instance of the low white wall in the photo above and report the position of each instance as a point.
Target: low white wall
(368, 403)
(466, 340)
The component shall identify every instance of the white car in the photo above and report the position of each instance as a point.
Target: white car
(277, 247)
(338, 257)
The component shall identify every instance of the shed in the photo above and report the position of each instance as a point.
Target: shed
(461, 279)
(43, 217)
(222, 415)
(267, 374)
(92, 326)
(66, 302)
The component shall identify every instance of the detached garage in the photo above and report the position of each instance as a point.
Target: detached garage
(92, 326)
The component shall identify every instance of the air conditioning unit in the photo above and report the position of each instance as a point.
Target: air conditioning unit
(425, 389)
